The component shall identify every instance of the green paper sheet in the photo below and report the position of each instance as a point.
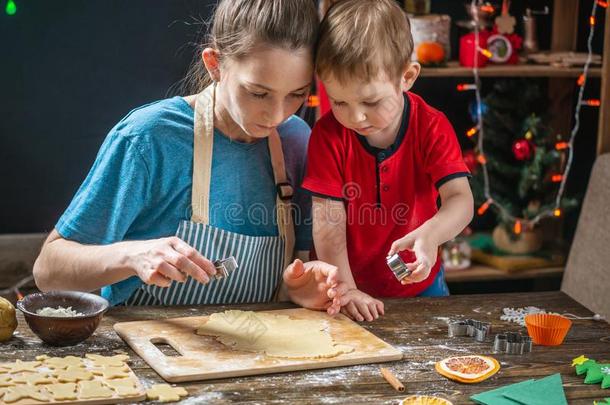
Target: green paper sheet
(547, 390)
(495, 397)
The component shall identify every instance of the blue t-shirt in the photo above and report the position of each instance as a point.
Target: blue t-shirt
(140, 184)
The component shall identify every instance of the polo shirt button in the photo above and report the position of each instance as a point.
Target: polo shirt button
(381, 156)
(384, 169)
(386, 188)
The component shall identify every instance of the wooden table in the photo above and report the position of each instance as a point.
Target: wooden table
(415, 326)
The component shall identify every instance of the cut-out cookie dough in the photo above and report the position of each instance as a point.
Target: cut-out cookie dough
(61, 362)
(109, 373)
(124, 387)
(73, 374)
(272, 334)
(93, 389)
(62, 392)
(14, 394)
(112, 361)
(6, 380)
(20, 366)
(166, 393)
(32, 379)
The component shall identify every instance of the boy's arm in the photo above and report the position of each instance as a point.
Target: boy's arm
(457, 208)
(329, 235)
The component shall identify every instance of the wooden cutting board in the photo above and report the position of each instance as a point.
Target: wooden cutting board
(204, 358)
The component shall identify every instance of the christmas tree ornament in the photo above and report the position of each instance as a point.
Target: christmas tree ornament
(523, 149)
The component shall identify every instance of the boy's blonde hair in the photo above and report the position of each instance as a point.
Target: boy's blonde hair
(363, 39)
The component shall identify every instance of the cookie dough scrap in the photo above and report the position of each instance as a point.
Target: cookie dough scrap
(33, 379)
(112, 361)
(62, 392)
(109, 373)
(93, 389)
(14, 394)
(73, 374)
(61, 362)
(273, 334)
(20, 366)
(124, 387)
(166, 393)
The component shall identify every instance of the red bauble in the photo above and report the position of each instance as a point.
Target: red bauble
(470, 158)
(523, 149)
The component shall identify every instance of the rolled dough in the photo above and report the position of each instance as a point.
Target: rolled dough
(273, 335)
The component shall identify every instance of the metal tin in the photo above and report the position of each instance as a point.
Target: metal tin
(398, 266)
(225, 267)
(477, 329)
(512, 343)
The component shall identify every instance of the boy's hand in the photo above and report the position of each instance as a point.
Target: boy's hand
(425, 251)
(314, 285)
(360, 306)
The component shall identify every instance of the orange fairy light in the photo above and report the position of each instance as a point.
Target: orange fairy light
(557, 212)
(484, 207)
(517, 229)
(562, 145)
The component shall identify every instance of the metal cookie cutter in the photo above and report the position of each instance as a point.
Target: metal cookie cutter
(398, 266)
(470, 327)
(512, 343)
(225, 267)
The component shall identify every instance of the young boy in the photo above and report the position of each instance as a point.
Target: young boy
(378, 163)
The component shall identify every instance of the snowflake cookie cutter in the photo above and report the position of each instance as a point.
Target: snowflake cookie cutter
(470, 327)
(512, 343)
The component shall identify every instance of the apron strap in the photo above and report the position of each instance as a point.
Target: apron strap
(284, 196)
(203, 144)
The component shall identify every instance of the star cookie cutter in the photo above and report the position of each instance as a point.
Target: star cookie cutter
(512, 343)
(470, 327)
(225, 267)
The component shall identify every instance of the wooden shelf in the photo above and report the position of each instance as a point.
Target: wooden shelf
(453, 69)
(479, 272)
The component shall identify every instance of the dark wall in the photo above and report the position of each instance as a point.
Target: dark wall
(70, 70)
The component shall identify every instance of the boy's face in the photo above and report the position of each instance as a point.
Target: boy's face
(369, 108)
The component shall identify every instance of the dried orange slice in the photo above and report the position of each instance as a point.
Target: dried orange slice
(424, 400)
(468, 369)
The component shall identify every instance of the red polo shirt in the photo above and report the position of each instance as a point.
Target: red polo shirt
(387, 193)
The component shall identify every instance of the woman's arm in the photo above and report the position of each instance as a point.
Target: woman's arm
(68, 265)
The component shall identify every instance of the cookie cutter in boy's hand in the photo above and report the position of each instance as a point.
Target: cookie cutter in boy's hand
(398, 266)
(470, 327)
(512, 343)
(225, 267)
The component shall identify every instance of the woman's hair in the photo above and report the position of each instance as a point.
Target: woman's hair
(238, 26)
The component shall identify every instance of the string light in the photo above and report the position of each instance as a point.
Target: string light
(11, 7)
(556, 178)
(517, 229)
(562, 145)
(466, 86)
(472, 131)
(486, 52)
(313, 101)
(484, 207)
(592, 103)
(519, 223)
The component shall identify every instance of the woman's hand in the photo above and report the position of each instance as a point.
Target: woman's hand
(360, 306)
(161, 261)
(425, 251)
(314, 285)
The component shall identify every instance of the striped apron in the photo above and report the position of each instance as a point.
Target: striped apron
(261, 259)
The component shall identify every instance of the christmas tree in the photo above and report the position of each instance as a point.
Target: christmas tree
(524, 157)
